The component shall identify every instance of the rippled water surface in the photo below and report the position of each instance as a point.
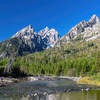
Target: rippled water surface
(48, 90)
(81, 95)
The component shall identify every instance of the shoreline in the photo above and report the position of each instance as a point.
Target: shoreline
(5, 81)
(89, 81)
(38, 88)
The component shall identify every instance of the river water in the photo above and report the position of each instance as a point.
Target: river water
(63, 89)
(81, 95)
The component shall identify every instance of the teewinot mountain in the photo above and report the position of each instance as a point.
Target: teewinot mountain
(28, 41)
(86, 30)
(50, 36)
(80, 44)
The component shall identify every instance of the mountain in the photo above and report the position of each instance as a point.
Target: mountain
(75, 58)
(26, 33)
(75, 54)
(50, 36)
(78, 53)
(86, 30)
(27, 41)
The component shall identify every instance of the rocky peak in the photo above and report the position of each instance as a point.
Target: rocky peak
(50, 36)
(79, 28)
(85, 29)
(26, 33)
(47, 36)
(94, 19)
(27, 41)
(46, 28)
(43, 32)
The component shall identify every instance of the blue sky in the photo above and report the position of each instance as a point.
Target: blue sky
(59, 14)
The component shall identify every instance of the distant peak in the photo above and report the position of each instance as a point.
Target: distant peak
(43, 31)
(94, 19)
(30, 26)
(53, 30)
(27, 31)
(94, 16)
(46, 28)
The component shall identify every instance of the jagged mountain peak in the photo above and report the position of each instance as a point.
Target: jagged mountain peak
(50, 36)
(26, 41)
(43, 31)
(25, 32)
(47, 31)
(46, 28)
(94, 19)
(53, 30)
(85, 29)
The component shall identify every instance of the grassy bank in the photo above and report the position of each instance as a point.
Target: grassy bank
(90, 80)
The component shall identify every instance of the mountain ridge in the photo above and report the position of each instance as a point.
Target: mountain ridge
(29, 41)
(84, 28)
(23, 48)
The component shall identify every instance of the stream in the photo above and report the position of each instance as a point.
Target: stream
(62, 89)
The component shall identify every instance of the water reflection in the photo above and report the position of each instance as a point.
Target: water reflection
(81, 95)
(42, 90)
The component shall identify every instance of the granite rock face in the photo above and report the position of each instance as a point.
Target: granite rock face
(87, 30)
(27, 41)
(25, 33)
(50, 36)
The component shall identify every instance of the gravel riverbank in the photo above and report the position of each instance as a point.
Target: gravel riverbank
(4, 81)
